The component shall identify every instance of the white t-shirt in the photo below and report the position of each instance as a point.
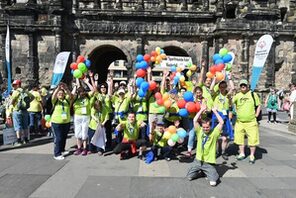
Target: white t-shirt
(292, 97)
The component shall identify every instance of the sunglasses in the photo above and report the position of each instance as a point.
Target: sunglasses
(243, 85)
(103, 87)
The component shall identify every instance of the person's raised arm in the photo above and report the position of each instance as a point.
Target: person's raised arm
(86, 81)
(67, 91)
(219, 118)
(163, 81)
(231, 84)
(213, 84)
(55, 93)
(110, 83)
(202, 72)
(197, 116)
(149, 74)
(92, 81)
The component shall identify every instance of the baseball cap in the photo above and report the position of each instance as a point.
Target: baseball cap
(173, 91)
(16, 82)
(243, 82)
(122, 83)
(121, 91)
(159, 123)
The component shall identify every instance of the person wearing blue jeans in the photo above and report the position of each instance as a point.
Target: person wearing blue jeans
(35, 122)
(60, 132)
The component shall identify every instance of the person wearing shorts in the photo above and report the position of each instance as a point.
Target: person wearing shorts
(246, 123)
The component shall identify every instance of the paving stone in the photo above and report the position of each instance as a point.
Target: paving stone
(269, 183)
(279, 193)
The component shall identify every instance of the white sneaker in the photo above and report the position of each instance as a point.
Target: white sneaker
(213, 183)
(59, 157)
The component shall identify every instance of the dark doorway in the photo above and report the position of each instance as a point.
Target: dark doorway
(174, 51)
(102, 57)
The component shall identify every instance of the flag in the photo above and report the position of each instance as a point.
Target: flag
(59, 68)
(262, 50)
(7, 60)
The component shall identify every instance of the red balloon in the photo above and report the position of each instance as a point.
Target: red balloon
(147, 58)
(141, 73)
(74, 66)
(157, 95)
(197, 105)
(181, 103)
(213, 69)
(191, 107)
(220, 67)
(152, 85)
(80, 59)
(160, 101)
(153, 53)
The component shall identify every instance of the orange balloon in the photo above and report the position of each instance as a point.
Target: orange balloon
(165, 96)
(48, 124)
(210, 75)
(219, 76)
(163, 56)
(152, 59)
(167, 104)
(158, 59)
(179, 69)
(172, 129)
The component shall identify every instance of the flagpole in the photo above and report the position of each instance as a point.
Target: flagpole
(7, 61)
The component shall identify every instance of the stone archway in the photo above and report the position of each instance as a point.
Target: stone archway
(102, 56)
(175, 51)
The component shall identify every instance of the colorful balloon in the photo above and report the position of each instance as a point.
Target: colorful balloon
(74, 66)
(87, 63)
(163, 56)
(158, 50)
(189, 73)
(175, 137)
(227, 58)
(223, 52)
(180, 140)
(47, 117)
(158, 59)
(165, 96)
(172, 129)
(143, 65)
(216, 57)
(77, 73)
(141, 73)
(188, 96)
(167, 104)
(147, 57)
(171, 143)
(139, 81)
(197, 105)
(140, 58)
(80, 59)
(82, 67)
(228, 67)
(144, 86)
(141, 93)
(152, 85)
(157, 95)
(193, 68)
(183, 112)
(182, 79)
(160, 101)
(181, 103)
(181, 133)
(47, 124)
(213, 69)
(219, 61)
(153, 54)
(173, 69)
(167, 135)
(219, 76)
(179, 69)
(210, 75)
(191, 107)
(152, 59)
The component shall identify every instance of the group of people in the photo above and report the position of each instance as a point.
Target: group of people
(101, 111)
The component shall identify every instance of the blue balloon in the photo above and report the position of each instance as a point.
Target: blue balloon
(144, 86)
(87, 63)
(162, 51)
(173, 69)
(219, 61)
(141, 93)
(183, 112)
(181, 133)
(138, 65)
(216, 57)
(139, 82)
(188, 96)
(227, 58)
(140, 58)
(143, 65)
(72, 71)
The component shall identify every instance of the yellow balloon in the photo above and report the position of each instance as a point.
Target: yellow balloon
(182, 78)
(179, 69)
(167, 135)
(189, 73)
(167, 104)
(158, 49)
(193, 68)
(172, 129)
(163, 56)
(165, 96)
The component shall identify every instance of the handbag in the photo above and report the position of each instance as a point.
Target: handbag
(259, 117)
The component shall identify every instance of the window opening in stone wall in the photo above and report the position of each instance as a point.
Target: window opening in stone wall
(283, 13)
(18, 70)
(230, 12)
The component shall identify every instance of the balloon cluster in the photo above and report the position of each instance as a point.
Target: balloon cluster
(221, 61)
(187, 104)
(177, 74)
(163, 100)
(173, 135)
(47, 119)
(157, 55)
(80, 67)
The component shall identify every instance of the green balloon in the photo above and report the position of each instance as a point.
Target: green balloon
(77, 73)
(82, 67)
(47, 118)
(228, 67)
(223, 52)
(175, 137)
(161, 109)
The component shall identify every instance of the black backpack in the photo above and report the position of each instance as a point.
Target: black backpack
(24, 100)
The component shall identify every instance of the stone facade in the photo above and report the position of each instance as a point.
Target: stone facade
(109, 30)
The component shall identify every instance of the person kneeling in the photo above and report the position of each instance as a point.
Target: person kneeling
(130, 140)
(206, 147)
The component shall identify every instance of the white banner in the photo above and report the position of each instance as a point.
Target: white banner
(59, 68)
(9, 136)
(178, 61)
(7, 45)
(262, 50)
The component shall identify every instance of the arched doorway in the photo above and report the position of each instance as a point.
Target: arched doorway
(101, 57)
(174, 51)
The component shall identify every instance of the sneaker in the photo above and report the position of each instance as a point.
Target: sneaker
(17, 144)
(188, 154)
(240, 157)
(77, 152)
(224, 156)
(168, 159)
(59, 157)
(140, 157)
(65, 153)
(213, 183)
(100, 153)
(252, 159)
(84, 152)
(25, 141)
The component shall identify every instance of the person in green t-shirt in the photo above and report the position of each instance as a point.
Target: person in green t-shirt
(272, 105)
(130, 141)
(60, 118)
(35, 111)
(160, 146)
(206, 147)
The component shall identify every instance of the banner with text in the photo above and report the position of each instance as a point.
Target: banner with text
(178, 61)
(59, 68)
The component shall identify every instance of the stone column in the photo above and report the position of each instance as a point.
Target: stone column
(162, 4)
(118, 4)
(57, 41)
(205, 52)
(74, 6)
(33, 69)
(294, 58)
(245, 57)
(205, 5)
(75, 47)
(140, 5)
(184, 5)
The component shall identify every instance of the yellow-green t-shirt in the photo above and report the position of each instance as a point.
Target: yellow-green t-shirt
(162, 142)
(61, 112)
(245, 108)
(221, 102)
(130, 131)
(95, 119)
(121, 106)
(140, 108)
(35, 105)
(206, 145)
(154, 108)
(172, 114)
(16, 97)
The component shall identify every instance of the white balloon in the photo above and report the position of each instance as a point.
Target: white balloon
(171, 143)
(180, 140)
